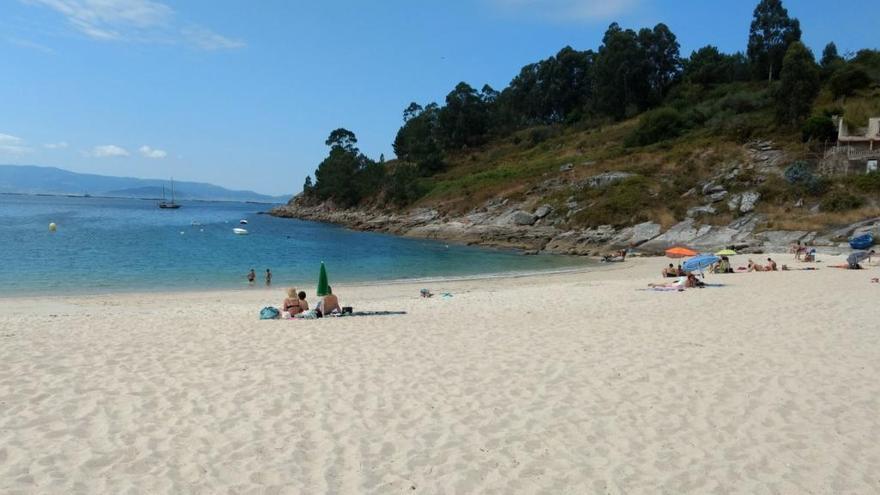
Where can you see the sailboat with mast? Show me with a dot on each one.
(169, 205)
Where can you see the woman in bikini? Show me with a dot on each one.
(293, 305)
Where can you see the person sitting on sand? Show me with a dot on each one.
(679, 284)
(725, 265)
(693, 282)
(295, 302)
(809, 255)
(680, 271)
(771, 265)
(754, 267)
(670, 271)
(328, 303)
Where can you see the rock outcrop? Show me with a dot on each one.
(539, 220)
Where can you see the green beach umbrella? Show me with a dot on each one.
(725, 252)
(323, 286)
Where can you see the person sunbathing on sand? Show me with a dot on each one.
(754, 267)
(771, 265)
(328, 303)
(679, 284)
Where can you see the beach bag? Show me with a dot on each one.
(269, 313)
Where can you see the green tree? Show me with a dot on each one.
(819, 128)
(770, 34)
(464, 121)
(416, 141)
(346, 176)
(830, 56)
(307, 186)
(403, 185)
(798, 85)
(708, 66)
(661, 58)
(342, 138)
(621, 80)
(848, 79)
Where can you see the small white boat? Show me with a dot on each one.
(238, 231)
(243, 222)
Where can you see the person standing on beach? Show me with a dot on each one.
(268, 278)
(252, 277)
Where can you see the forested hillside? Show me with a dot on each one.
(663, 124)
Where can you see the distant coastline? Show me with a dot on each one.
(93, 196)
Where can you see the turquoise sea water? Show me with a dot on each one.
(108, 245)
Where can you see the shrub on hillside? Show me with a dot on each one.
(624, 203)
(403, 187)
(800, 175)
(867, 183)
(745, 101)
(840, 200)
(656, 126)
(847, 80)
(818, 128)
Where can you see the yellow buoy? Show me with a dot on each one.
(52, 227)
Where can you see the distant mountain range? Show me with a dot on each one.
(31, 179)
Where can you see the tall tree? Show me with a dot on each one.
(464, 121)
(416, 141)
(662, 59)
(342, 138)
(346, 176)
(770, 34)
(621, 82)
(798, 85)
(830, 55)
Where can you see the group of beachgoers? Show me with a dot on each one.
(295, 305)
(688, 280)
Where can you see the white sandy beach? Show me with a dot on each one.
(569, 383)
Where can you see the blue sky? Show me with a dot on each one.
(243, 94)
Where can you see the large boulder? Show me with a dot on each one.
(748, 201)
(582, 242)
(697, 211)
(635, 235)
(780, 240)
(524, 218)
(543, 211)
(681, 233)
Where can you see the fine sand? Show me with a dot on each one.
(575, 383)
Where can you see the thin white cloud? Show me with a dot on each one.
(56, 146)
(209, 40)
(108, 150)
(569, 10)
(145, 21)
(152, 152)
(13, 145)
(30, 45)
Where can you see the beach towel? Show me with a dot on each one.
(306, 315)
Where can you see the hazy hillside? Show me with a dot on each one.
(29, 179)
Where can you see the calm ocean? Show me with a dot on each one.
(109, 245)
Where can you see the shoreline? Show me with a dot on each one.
(593, 264)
